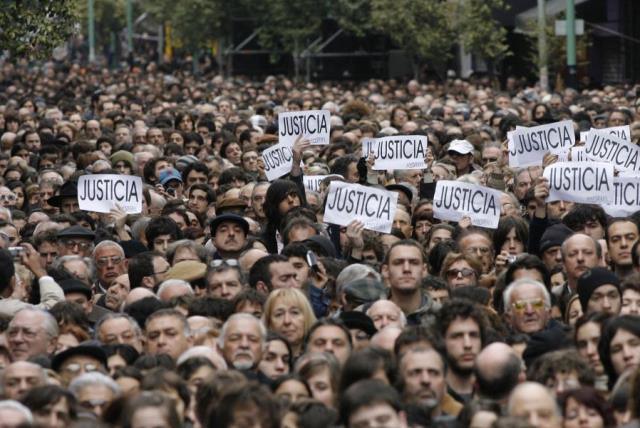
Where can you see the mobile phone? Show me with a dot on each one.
(16, 252)
(511, 258)
(171, 191)
(312, 261)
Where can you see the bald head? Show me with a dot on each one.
(138, 293)
(386, 339)
(385, 313)
(534, 402)
(497, 370)
(250, 257)
(19, 377)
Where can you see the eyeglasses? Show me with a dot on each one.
(72, 244)
(465, 272)
(478, 250)
(521, 305)
(163, 272)
(220, 262)
(75, 368)
(8, 198)
(104, 261)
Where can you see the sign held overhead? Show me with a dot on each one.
(102, 192)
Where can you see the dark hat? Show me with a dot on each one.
(87, 349)
(591, 280)
(554, 236)
(68, 190)
(229, 217)
(75, 286)
(184, 161)
(401, 188)
(132, 248)
(225, 204)
(359, 320)
(365, 290)
(76, 232)
(322, 246)
(122, 155)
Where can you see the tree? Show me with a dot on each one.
(34, 28)
(479, 32)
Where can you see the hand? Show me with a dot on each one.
(20, 290)
(371, 160)
(320, 278)
(541, 191)
(118, 216)
(300, 146)
(464, 222)
(32, 260)
(354, 234)
(502, 260)
(549, 159)
(429, 158)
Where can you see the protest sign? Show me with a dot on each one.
(623, 132)
(529, 145)
(582, 182)
(277, 161)
(312, 182)
(314, 125)
(575, 154)
(606, 147)
(102, 192)
(373, 207)
(454, 200)
(626, 197)
(397, 152)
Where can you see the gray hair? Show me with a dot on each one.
(50, 325)
(161, 313)
(506, 296)
(93, 379)
(18, 407)
(241, 316)
(138, 228)
(114, 316)
(61, 261)
(354, 272)
(7, 212)
(107, 243)
(170, 283)
(186, 243)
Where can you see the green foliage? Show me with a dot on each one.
(195, 23)
(354, 16)
(479, 31)
(33, 28)
(109, 16)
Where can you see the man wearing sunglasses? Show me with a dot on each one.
(527, 306)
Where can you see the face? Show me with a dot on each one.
(491, 154)
(150, 417)
(117, 292)
(513, 245)
(321, 388)
(523, 185)
(26, 336)
(161, 243)
(624, 351)
(402, 221)
(275, 360)
(577, 415)
(424, 377)
(283, 275)
(622, 236)
(242, 344)
(56, 415)
(538, 407)
(74, 246)
(587, 338)
(352, 175)
(480, 246)
(229, 236)
(438, 236)
(461, 162)
(291, 391)
(463, 343)
(195, 177)
(166, 335)
(292, 200)
(630, 302)
(385, 313)
(558, 209)
(257, 200)
(78, 365)
(552, 257)
(95, 399)
(575, 312)
(331, 339)
(461, 274)
(110, 264)
(198, 202)
(580, 255)
(380, 415)
(19, 378)
(528, 312)
(287, 319)
(225, 284)
(605, 298)
(405, 268)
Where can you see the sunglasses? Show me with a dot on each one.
(220, 262)
(521, 305)
(465, 272)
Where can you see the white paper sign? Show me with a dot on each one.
(576, 154)
(606, 147)
(582, 182)
(531, 144)
(312, 182)
(102, 192)
(626, 197)
(623, 132)
(397, 151)
(315, 125)
(373, 207)
(454, 200)
(277, 161)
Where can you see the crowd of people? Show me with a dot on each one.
(228, 302)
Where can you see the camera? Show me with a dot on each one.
(16, 251)
(511, 258)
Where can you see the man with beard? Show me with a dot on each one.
(422, 372)
(461, 325)
(229, 232)
(241, 342)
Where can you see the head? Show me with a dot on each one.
(535, 403)
(404, 267)
(167, 332)
(527, 305)
(32, 332)
(241, 341)
(288, 312)
(422, 372)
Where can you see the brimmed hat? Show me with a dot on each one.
(76, 232)
(75, 286)
(460, 146)
(360, 321)
(187, 270)
(229, 217)
(365, 290)
(85, 349)
(68, 190)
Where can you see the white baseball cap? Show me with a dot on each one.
(460, 146)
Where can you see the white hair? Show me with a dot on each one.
(173, 282)
(241, 316)
(50, 325)
(402, 317)
(354, 272)
(18, 407)
(7, 212)
(107, 243)
(92, 379)
(506, 295)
